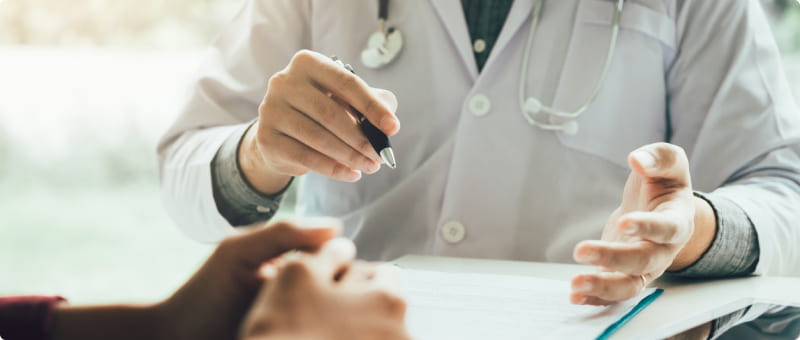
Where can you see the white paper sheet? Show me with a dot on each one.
(460, 306)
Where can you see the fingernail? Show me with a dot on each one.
(590, 256)
(354, 175)
(631, 229)
(390, 124)
(310, 222)
(291, 255)
(645, 159)
(268, 271)
(341, 245)
(373, 167)
(584, 288)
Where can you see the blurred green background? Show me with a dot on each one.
(86, 89)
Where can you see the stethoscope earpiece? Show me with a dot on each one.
(382, 48)
(385, 45)
(534, 106)
(531, 106)
(570, 127)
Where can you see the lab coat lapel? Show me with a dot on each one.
(452, 16)
(519, 14)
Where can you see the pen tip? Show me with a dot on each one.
(388, 157)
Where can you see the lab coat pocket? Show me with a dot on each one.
(631, 107)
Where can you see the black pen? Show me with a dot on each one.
(376, 137)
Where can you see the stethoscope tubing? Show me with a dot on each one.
(598, 84)
(530, 106)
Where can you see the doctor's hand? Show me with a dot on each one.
(305, 124)
(327, 296)
(660, 225)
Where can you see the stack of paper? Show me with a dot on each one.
(457, 306)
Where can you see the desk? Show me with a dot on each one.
(684, 304)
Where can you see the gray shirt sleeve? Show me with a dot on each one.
(236, 199)
(733, 252)
(735, 248)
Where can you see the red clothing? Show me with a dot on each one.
(27, 317)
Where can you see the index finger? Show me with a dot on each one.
(350, 88)
(267, 243)
(386, 278)
(333, 259)
(657, 226)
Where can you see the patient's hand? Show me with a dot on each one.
(213, 303)
(327, 296)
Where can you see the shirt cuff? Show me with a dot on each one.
(236, 199)
(734, 250)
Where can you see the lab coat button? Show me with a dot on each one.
(479, 46)
(453, 232)
(480, 105)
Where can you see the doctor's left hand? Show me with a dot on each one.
(659, 226)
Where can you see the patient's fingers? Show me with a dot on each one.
(334, 259)
(384, 291)
(359, 273)
(386, 277)
(266, 243)
(268, 271)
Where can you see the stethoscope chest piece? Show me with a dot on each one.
(382, 48)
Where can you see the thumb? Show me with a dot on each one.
(333, 259)
(308, 234)
(661, 163)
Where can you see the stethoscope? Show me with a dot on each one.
(385, 45)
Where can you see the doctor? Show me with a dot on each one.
(526, 127)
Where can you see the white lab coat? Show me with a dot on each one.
(474, 179)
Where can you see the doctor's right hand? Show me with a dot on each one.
(305, 125)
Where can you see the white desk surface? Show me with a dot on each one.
(684, 304)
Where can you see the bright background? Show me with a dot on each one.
(86, 88)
